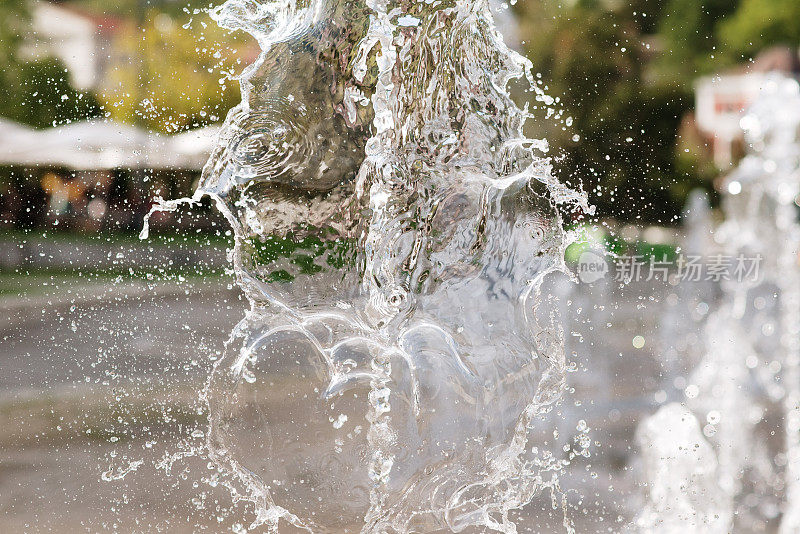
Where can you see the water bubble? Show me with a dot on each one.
(340, 421)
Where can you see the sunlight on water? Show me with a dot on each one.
(393, 227)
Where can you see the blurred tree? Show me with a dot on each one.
(42, 96)
(625, 74)
(756, 24)
(594, 56)
(38, 92)
(686, 40)
(130, 8)
(167, 75)
(14, 22)
(171, 76)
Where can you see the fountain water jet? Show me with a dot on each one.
(393, 227)
(735, 387)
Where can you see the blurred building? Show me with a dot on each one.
(722, 99)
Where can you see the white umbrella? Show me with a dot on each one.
(104, 144)
(14, 137)
(84, 145)
(11, 128)
(191, 149)
(92, 145)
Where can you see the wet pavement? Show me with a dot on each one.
(100, 385)
(94, 381)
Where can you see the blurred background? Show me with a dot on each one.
(639, 120)
(107, 106)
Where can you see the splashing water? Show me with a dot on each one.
(393, 226)
(732, 390)
(682, 470)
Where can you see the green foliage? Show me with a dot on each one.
(163, 75)
(594, 60)
(14, 21)
(687, 40)
(37, 93)
(174, 79)
(760, 23)
(130, 8)
(625, 74)
(302, 254)
(41, 96)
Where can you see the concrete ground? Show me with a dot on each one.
(99, 390)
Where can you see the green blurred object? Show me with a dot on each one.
(657, 251)
(596, 239)
(35, 92)
(304, 256)
(590, 237)
(42, 97)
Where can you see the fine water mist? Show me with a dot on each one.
(726, 458)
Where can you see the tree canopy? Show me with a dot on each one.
(168, 68)
(624, 72)
(178, 76)
(36, 92)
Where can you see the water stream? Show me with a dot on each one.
(393, 227)
(396, 235)
(716, 452)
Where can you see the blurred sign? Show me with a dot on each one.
(722, 101)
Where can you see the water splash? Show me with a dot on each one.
(393, 226)
(682, 473)
(750, 370)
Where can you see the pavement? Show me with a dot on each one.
(95, 380)
(99, 412)
(65, 252)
